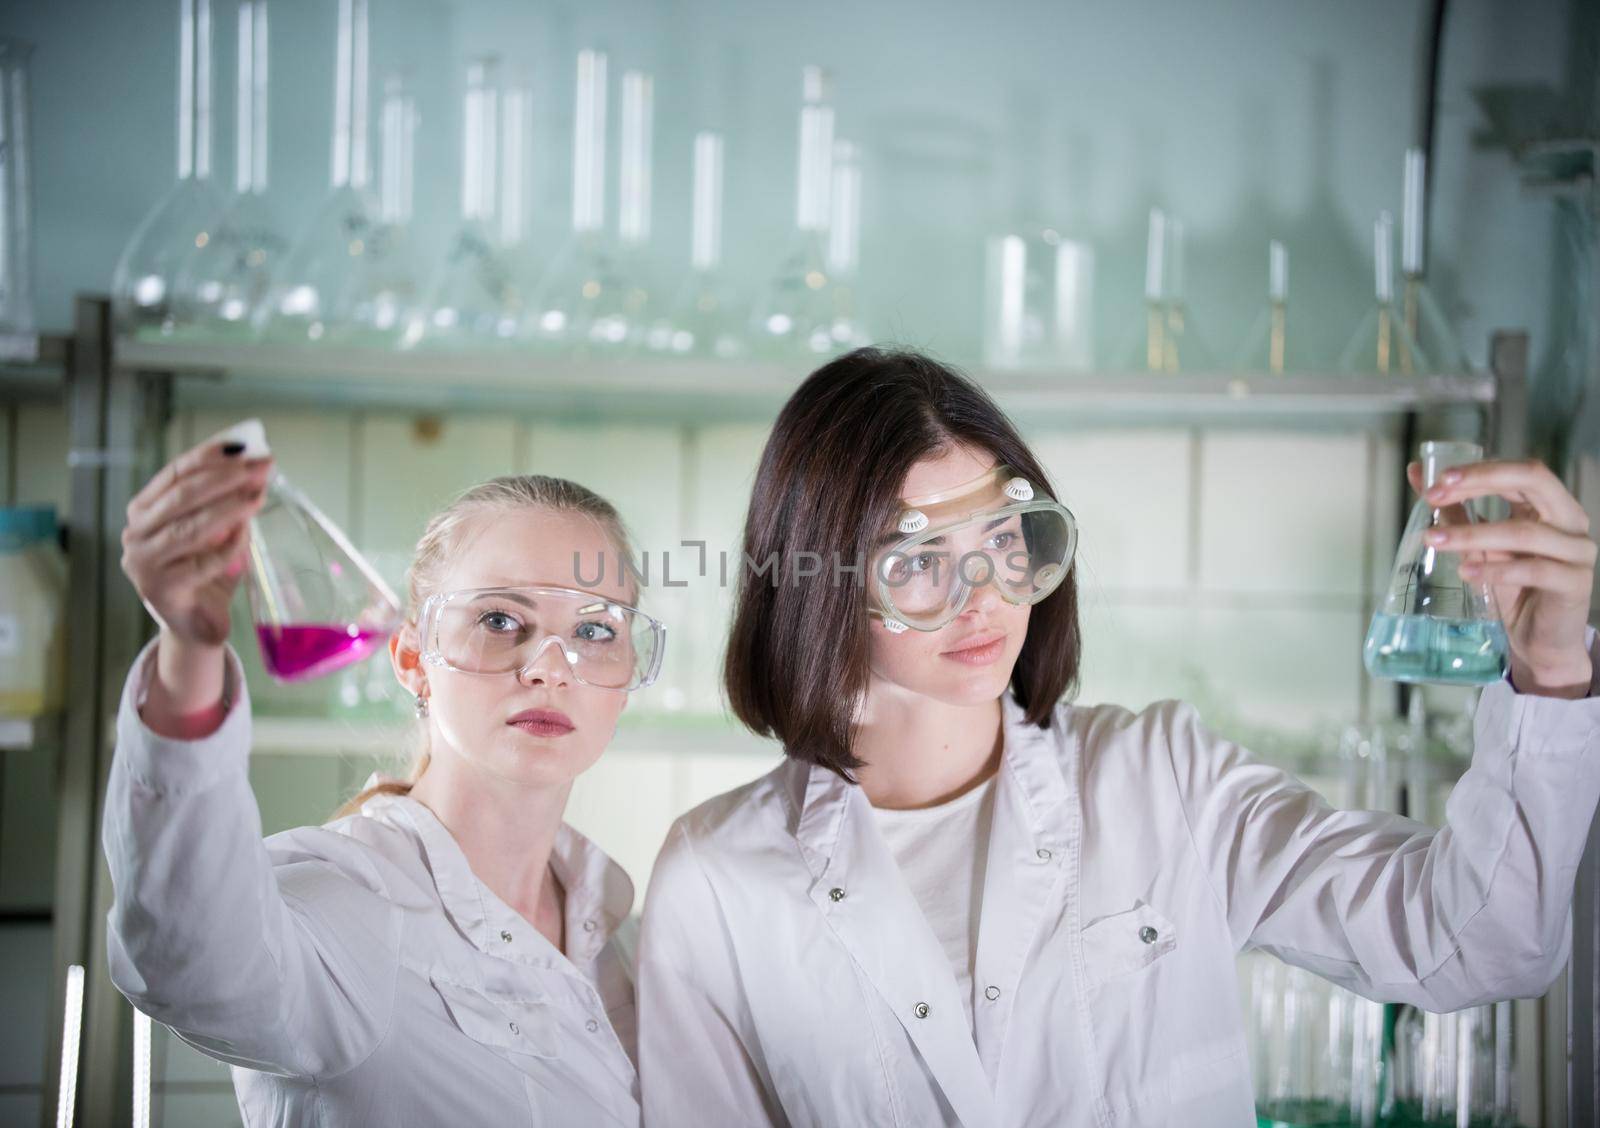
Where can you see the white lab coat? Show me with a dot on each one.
(786, 974)
(359, 972)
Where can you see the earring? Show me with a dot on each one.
(421, 706)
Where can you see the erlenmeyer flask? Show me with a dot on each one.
(144, 286)
(313, 290)
(844, 247)
(317, 604)
(384, 306)
(582, 291)
(1434, 626)
(1424, 320)
(703, 320)
(794, 315)
(1381, 343)
(222, 282)
(474, 299)
(1266, 346)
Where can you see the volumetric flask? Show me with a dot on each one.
(317, 604)
(1434, 626)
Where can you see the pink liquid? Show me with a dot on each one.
(308, 650)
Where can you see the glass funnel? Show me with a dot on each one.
(1381, 343)
(16, 189)
(795, 311)
(1433, 625)
(222, 282)
(581, 294)
(144, 285)
(475, 299)
(316, 603)
(313, 290)
(703, 320)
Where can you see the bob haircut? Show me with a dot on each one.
(827, 485)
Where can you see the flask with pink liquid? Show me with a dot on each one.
(318, 606)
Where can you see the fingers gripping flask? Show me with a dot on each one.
(316, 603)
(1434, 626)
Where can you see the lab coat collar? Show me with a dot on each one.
(859, 889)
(599, 893)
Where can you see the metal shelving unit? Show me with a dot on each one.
(120, 395)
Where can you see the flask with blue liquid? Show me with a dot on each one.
(1433, 626)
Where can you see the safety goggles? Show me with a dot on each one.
(989, 530)
(505, 630)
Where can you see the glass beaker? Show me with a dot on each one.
(221, 282)
(1039, 299)
(144, 285)
(1433, 625)
(16, 189)
(317, 604)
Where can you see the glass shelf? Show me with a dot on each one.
(708, 390)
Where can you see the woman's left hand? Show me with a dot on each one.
(1539, 562)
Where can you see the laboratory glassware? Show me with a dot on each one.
(384, 305)
(1419, 309)
(1433, 625)
(843, 257)
(475, 297)
(316, 603)
(704, 318)
(1266, 345)
(794, 313)
(312, 291)
(222, 282)
(1038, 301)
(581, 296)
(1382, 344)
(16, 188)
(1146, 348)
(144, 285)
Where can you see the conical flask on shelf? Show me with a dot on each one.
(1381, 343)
(704, 318)
(384, 306)
(795, 312)
(580, 299)
(316, 603)
(1424, 320)
(1434, 625)
(313, 289)
(224, 280)
(1267, 345)
(1165, 340)
(145, 283)
(475, 299)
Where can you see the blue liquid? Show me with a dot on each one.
(1420, 648)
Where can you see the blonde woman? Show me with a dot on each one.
(444, 953)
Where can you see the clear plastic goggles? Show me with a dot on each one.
(504, 630)
(992, 530)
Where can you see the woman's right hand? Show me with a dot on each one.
(183, 548)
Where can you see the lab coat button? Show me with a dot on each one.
(514, 1029)
(591, 1026)
(921, 1010)
(1148, 934)
(991, 993)
(588, 926)
(836, 894)
(1044, 855)
(505, 936)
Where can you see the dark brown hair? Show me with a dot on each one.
(828, 483)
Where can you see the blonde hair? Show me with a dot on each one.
(438, 543)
